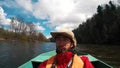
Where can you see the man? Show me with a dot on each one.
(65, 58)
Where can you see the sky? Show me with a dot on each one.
(50, 15)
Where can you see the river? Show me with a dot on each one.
(13, 54)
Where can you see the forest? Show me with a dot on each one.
(102, 28)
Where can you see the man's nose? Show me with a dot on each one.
(60, 42)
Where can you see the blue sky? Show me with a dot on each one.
(50, 15)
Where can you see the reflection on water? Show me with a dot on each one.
(13, 54)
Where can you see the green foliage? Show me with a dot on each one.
(7, 35)
(103, 27)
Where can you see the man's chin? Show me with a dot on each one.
(58, 51)
(63, 50)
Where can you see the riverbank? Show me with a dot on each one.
(108, 54)
(18, 40)
(2, 39)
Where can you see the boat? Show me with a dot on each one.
(33, 63)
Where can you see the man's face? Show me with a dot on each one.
(63, 44)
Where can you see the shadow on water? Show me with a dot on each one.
(13, 54)
(106, 53)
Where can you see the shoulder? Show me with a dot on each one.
(43, 64)
(87, 63)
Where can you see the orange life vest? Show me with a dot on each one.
(77, 62)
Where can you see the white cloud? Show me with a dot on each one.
(66, 25)
(61, 13)
(26, 4)
(38, 27)
(3, 19)
(6, 21)
(48, 36)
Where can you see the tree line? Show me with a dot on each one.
(21, 31)
(102, 28)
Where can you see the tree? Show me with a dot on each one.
(103, 27)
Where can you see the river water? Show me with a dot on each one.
(13, 54)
